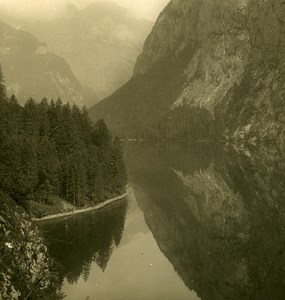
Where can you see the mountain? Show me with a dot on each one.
(209, 69)
(30, 70)
(100, 42)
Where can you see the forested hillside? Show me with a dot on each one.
(51, 150)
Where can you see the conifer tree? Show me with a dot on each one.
(52, 150)
(3, 92)
(102, 135)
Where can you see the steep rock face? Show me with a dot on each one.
(226, 36)
(216, 32)
(30, 70)
(267, 27)
(24, 263)
(230, 54)
(255, 106)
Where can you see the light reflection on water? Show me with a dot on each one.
(135, 269)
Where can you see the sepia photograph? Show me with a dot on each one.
(142, 149)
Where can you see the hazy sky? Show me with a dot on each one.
(47, 8)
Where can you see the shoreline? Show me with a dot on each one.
(83, 210)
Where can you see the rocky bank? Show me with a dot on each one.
(26, 271)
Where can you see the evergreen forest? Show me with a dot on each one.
(50, 150)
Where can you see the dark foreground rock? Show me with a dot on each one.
(25, 268)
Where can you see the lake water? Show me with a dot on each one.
(201, 222)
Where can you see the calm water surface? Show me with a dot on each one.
(202, 222)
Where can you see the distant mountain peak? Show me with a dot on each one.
(105, 5)
(106, 8)
(31, 70)
(70, 8)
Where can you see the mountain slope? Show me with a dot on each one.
(213, 67)
(32, 71)
(100, 42)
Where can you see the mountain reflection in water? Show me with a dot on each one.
(216, 213)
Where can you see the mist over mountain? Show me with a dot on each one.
(209, 69)
(31, 70)
(50, 9)
(100, 42)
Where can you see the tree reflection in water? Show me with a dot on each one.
(83, 239)
(217, 213)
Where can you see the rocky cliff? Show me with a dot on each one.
(225, 58)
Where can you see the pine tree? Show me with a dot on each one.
(3, 91)
(119, 170)
(30, 117)
(102, 135)
(44, 127)
(51, 150)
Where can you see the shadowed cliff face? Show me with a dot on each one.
(266, 21)
(231, 56)
(226, 36)
(254, 107)
(217, 31)
(220, 221)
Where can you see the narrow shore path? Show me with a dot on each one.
(80, 211)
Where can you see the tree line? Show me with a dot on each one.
(52, 150)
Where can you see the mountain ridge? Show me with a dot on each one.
(31, 70)
(222, 44)
(100, 42)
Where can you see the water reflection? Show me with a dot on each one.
(217, 214)
(77, 241)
